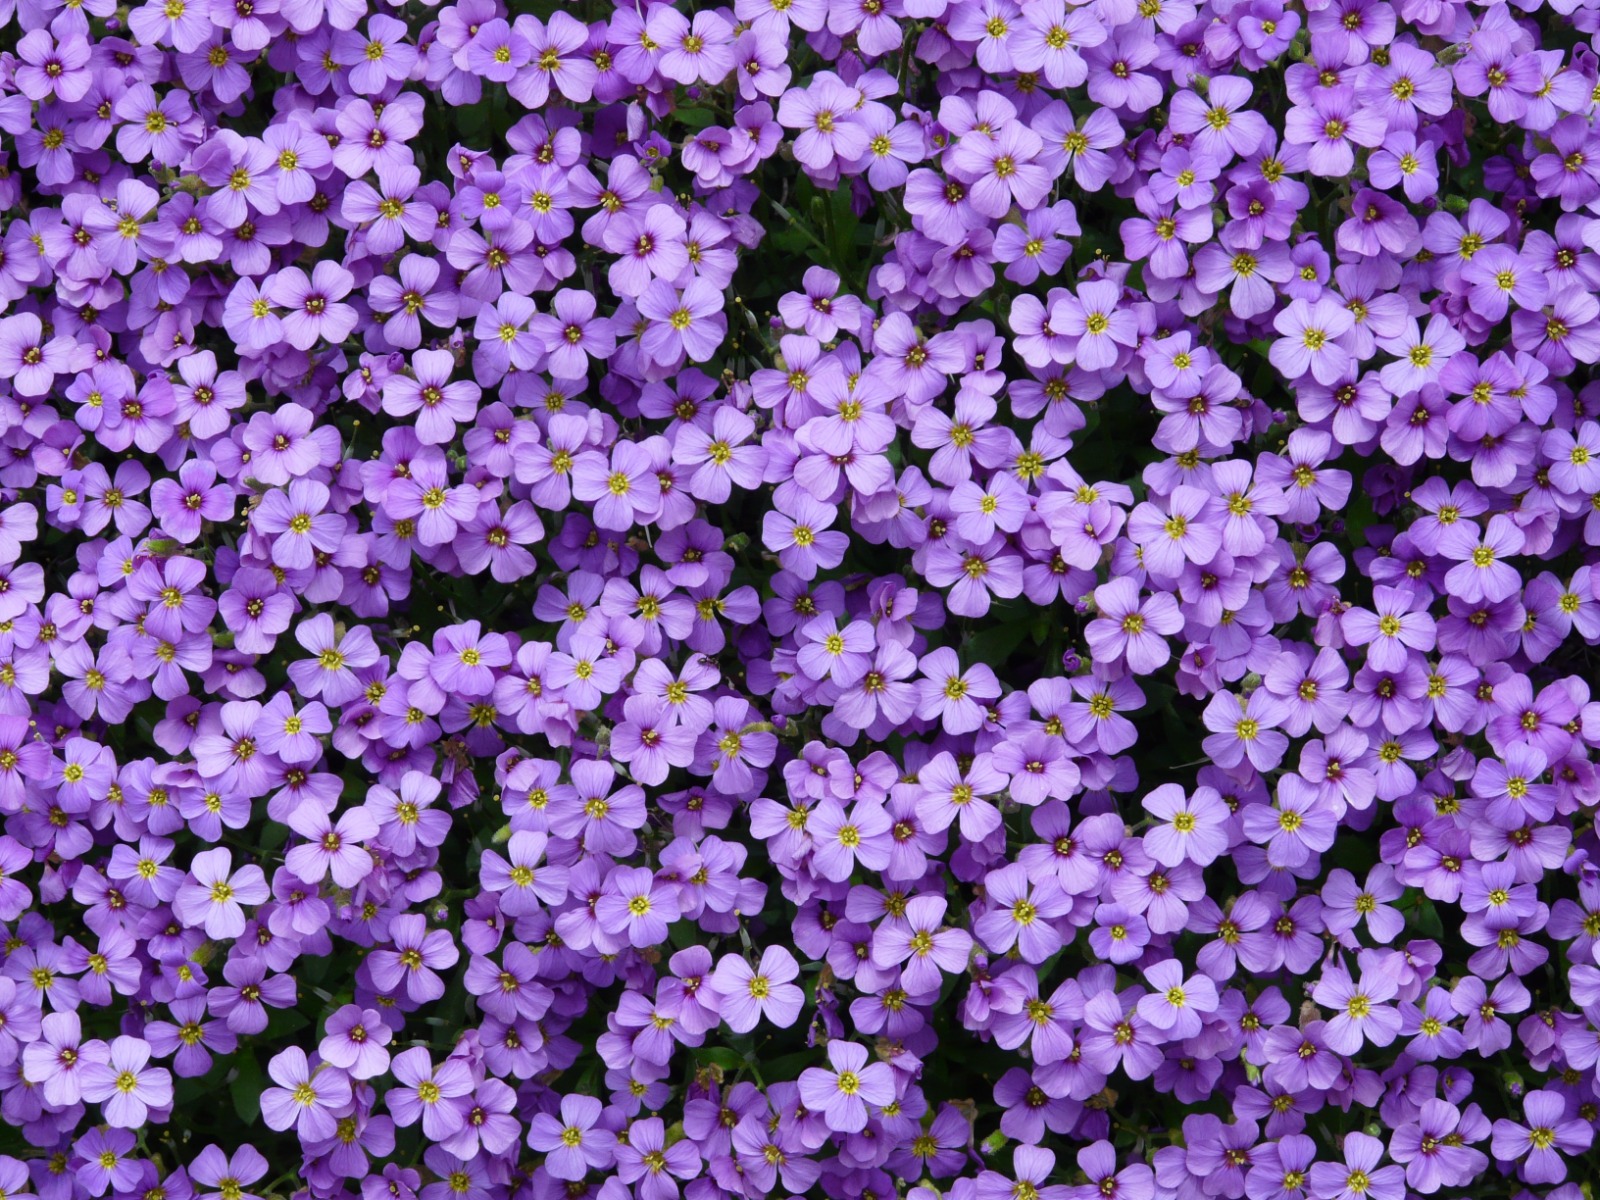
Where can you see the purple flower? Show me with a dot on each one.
(299, 524)
(1193, 829)
(637, 908)
(1299, 826)
(1481, 572)
(29, 360)
(842, 1092)
(572, 1143)
(106, 1161)
(214, 893)
(1020, 913)
(375, 57)
(824, 113)
(1095, 318)
(429, 1093)
(651, 741)
(58, 1058)
(304, 1099)
(125, 1085)
(954, 697)
(331, 849)
(414, 957)
(51, 68)
(746, 995)
(1177, 1005)
(802, 539)
(389, 214)
(682, 324)
(1310, 340)
(522, 883)
(1359, 1175)
(842, 838)
(314, 308)
(646, 1159)
(1131, 627)
(437, 402)
(213, 1168)
(918, 944)
(1430, 1149)
(1362, 1014)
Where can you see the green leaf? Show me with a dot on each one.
(246, 1086)
(1358, 514)
(1426, 921)
(285, 1021)
(1007, 626)
(789, 1066)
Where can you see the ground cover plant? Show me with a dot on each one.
(830, 598)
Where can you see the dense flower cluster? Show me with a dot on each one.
(825, 597)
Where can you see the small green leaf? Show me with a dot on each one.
(1427, 922)
(721, 1056)
(245, 1087)
(284, 1021)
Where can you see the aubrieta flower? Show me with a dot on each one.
(215, 893)
(746, 995)
(842, 1091)
(355, 1042)
(1359, 1174)
(304, 1099)
(1192, 829)
(125, 1085)
(738, 648)
(572, 1142)
(1536, 1146)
